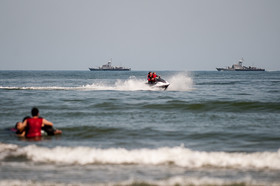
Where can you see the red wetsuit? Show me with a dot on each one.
(34, 126)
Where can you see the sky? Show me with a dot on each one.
(184, 35)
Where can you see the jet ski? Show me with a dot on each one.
(159, 83)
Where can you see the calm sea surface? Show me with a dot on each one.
(207, 128)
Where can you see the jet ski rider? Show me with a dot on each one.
(149, 77)
(152, 77)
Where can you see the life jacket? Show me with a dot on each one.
(34, 126)
(150, 78)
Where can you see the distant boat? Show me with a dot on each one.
(109, 67)
(240, 67)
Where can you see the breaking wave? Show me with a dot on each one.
(176, 156)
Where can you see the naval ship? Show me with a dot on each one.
(109, 67)
(240, 67)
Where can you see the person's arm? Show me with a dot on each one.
(46, 122)
(22, 134)
(24, 124)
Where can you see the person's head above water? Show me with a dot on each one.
(35, 111)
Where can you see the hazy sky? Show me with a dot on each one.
(141, 34)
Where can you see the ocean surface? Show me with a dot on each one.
(207, 128)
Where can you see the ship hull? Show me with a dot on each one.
(249, 70)
(225, 69)
(93, 69)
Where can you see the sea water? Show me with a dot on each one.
(207, 128)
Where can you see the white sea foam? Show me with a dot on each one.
(178, 82)
(40, 88)
(130, 84)
(119, 85)
(177, 180)
(177, 156)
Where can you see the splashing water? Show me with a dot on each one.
(132, 84)
(178, 82)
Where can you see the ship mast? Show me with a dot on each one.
(241, 61)
(110, 62)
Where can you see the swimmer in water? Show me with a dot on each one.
(34, 125)
(20, 130)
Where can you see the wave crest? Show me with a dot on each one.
(178, 156)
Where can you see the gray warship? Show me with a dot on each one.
(109, 67)
(240, 67)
